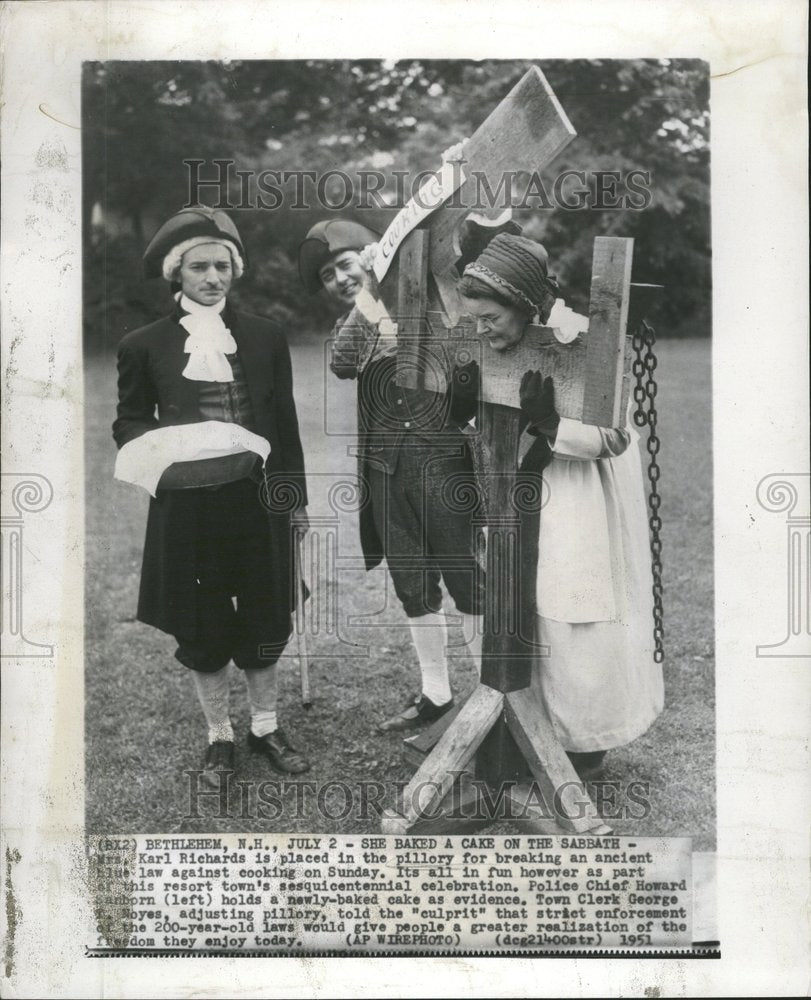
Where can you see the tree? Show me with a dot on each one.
(142, 120)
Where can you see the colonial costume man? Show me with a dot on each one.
(586, 575)
(207, 424)
(411, 450)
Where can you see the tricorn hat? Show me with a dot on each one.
(185, 225)
(323, 241)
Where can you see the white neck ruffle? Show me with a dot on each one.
(208, 343)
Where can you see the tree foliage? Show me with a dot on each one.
(142, 120)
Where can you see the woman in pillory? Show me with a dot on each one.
(207, 424)
(588, 579)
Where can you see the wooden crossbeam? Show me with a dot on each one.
(454, 751)
(592, 374)
(418, 747)
(557, 780)
(535, 818)
(539, 350)
(461, 811)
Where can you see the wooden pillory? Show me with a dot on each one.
(503, 724)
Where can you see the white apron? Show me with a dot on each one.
(599, 682)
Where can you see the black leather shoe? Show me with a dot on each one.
(219, 759)
(416, 713)
(277, 749)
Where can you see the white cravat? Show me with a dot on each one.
(208, 342)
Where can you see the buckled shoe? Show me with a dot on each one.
(417, 712)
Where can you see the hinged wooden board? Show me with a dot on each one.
(527, 130)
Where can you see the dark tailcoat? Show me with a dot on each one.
(390, 418)
(153, 393)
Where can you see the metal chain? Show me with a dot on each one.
(643, 368)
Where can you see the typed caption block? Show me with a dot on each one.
(304, 895)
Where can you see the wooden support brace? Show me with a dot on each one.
(560, 786)
(419, 746)
(451, 755)
(460, 811)
(533, 817)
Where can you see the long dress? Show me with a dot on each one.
(599, 681)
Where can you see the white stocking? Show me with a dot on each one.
(212, 691)
(430, 635)
(262, 693)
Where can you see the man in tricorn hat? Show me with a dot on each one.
(413, 458)
(207, 424)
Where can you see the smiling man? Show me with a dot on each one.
(207, 424)
(412, 455)
(329, 258)
(343, 277)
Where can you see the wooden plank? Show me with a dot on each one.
(526, 131)
(452, 754)
(563, 792)
(459, 812)
(540, 350)
(412, 303)
(533, 817)
(608, 318)
(503, 666)
(448, 299)
(418, 747)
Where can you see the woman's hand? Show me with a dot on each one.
(537, 395)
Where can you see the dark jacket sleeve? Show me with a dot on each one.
(286, 419)
(137, 396)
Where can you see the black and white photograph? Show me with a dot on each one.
(404, 531)
(389, 529)
(300, 585)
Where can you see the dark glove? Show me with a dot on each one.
(537, 395)
(464, 393)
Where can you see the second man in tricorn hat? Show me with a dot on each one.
(410, 451)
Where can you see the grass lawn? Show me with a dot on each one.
(143, 723)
